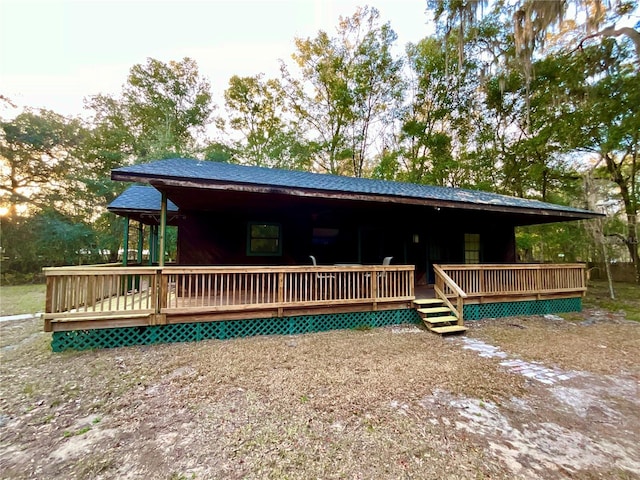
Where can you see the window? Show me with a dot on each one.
(471, 248)
(324, 236)
(264, 239)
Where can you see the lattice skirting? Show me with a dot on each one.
(189, 332)
(530, 307)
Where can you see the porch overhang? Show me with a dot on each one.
(142, 203)
(205, 185)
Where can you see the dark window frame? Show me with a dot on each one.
(252, 238)
(472, 248)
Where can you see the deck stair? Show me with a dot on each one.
(437, 317)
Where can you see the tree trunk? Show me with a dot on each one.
(630, 207)
(632, 243)
(605, 256)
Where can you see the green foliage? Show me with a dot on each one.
(219, 152)
(440, 137)
(599, 116)
(48, 238)
(182, 476)
(163, 109)
(346, 85)
(38, 151)
(387, 166)
(81, 431)
(462, 113)
(553, 243)
(257, 112)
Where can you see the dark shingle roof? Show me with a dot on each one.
(140, 198)
(214, 172)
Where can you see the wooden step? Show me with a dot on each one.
(427, 301)
(449, 329)
(427, 311)
(442, 319)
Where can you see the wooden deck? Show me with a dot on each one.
(91, 297)
(107, 297)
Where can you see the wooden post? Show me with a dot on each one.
(125, 283)
(160, 296)
(156, 243)
(140, 242)
(280, 292)
(137, 280)
(48, 305)
(460, 308)
(153, 244)
(125, 242)
(374, 278)
(412, 279)
(91, 299)
(163, 228)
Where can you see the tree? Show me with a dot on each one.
(533, 20)
(533, 151)
(219, 152)
(438, 118)
(615, 138)
(46, 238)
(592, 109)
(38, 161)
(256, 110)
(348, 90)
(163, 110)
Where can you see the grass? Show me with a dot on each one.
(627, 298)
(18, 299)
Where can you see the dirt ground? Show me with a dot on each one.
(524, 397)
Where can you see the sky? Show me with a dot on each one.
(54, 53)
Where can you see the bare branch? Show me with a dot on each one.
(611, 31)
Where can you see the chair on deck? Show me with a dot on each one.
(385, 262)
(324, 283)
(323, 276)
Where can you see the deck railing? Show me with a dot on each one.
(447, 289)
(517, 279)
(220, 288)
(82, 297)
(479, 283)
(87, 297)
(99, 292)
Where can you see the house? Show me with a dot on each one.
(249, 232)
(243, 215)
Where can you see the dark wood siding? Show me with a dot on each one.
(364, 233)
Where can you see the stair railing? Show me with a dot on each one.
(445, 288)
